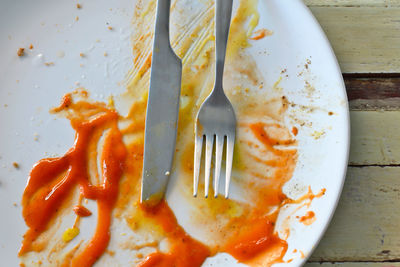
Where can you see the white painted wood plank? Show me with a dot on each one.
(375, 137)
(363, 3)
(365, 226)
(365, 39)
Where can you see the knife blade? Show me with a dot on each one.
(162, 111)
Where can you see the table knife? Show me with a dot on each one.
(162, 111)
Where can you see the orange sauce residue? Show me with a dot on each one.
(295, 131)
(260, 34)
(184, 252)
(81, 211)
(52, 180)
(302, 254)
(256, 238)
(308, 219)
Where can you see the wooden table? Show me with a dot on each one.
(365, 230)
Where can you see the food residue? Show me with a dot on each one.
(81, 211)
(78, 6)
(104, 164)
(318, 134)
(308, 219)
(260, 34)
(70, 234)
(15, 165)
(295, 131)
(21, 52)
(31, 46)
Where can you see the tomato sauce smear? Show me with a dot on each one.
(184, 252)
(52, 180)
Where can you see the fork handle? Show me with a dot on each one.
(222, 21)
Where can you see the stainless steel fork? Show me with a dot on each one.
(216, 118)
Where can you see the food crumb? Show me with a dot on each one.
(139, 255)
(48, 64)
(82, 55)
(15, 204)
(76, 18)
(16, 165)
(111, 102)
(21, 52)
(31, 46)
(105, 54)
(330, 113)
(110, 28)
(82, 211)
(78, 6)
(276, 85)
(111, 252)
(295, 131)
(317, 134)
(70, 234)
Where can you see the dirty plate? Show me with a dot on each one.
(91, 47)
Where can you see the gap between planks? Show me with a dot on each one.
(375, 116)
(373, 91)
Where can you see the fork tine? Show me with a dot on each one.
(198, 147)
(219, 146)
(230, 142)
(209, 149)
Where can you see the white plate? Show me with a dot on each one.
(28, 89)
